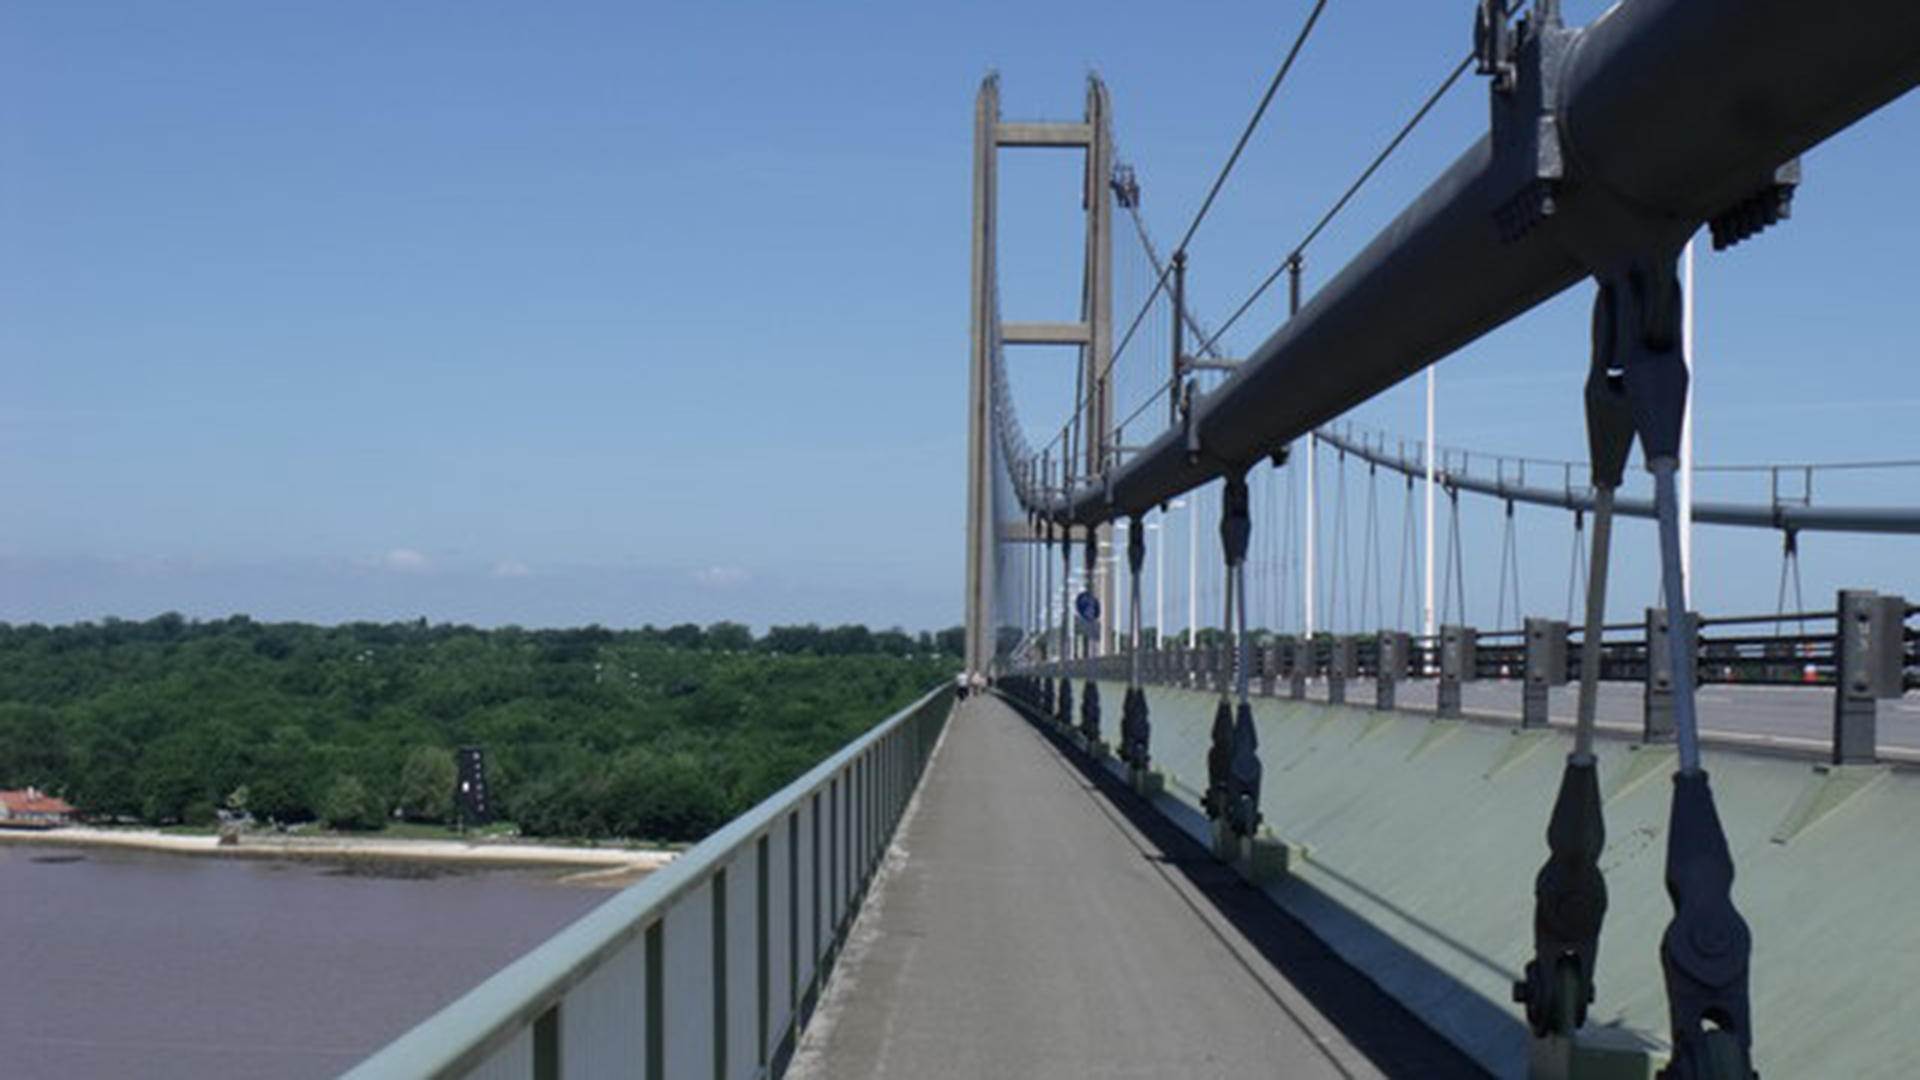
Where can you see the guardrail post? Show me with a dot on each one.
(1459, 649)
(718, 925)
(1394, 654)
(655, 961)
(793, 914)
(548, 1062)
(1657, 707)
(820, 878)
(1869, 662)
(1339, 668)
(763, 949)
(1546, 666)
(1302, 667)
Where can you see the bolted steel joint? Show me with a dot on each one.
(1219, 763)
(1527, 62)
(1766, 206)
(1570, 904)
(1546, 652)
(1459, 653)
(1236, 519)
(1609, 418)
(1493, 43)
(1637, 330)
(1090, 711)
(1135, 731)
(1706, 950)
(1245, 773)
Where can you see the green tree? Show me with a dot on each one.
(952, 641)
(729, 637)
(685, 636)
(591, 731)
(427, 782)
(170, 780)
(348, 804)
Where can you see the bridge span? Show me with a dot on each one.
(1036, 920)
(980, 889)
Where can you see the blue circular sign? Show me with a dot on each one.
(1088, 605)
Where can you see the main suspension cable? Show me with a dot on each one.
(1220, 180)
(1340, 204)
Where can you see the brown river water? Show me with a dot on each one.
(141, 965)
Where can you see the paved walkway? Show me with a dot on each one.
(1040, 926)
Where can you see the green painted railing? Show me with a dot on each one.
(709, 967)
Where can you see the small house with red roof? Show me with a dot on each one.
(31, 808)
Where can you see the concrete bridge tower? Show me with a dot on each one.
(1091, 336)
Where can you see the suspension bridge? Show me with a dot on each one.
(1318, 827)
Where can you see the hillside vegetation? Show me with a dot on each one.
(648, 734)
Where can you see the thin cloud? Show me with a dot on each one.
(721, 577)
(402, 560)
(510, 568)
(1795, 408)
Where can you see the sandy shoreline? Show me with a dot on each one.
(599, 865)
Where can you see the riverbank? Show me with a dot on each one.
(599, 866)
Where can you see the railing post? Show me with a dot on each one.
(656, 1006)
(849, 854)
(1657, 707)
(835, 851)
(1459, 649)
(763, 946)
(1301, 667)
(1339, 655)
(793, 913)
(1546, 666)
(1869, 660)
(548, 1062)
(1394, 654)
(718, 922)
(813, 904)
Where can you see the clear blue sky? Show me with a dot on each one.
(624, 313)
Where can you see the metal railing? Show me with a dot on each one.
(1875, 643)
(709, 967)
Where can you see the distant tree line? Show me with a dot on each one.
(650, 734)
